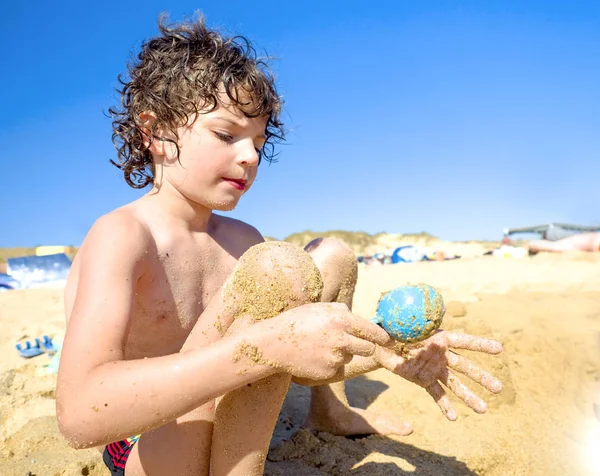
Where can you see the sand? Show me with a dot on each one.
(545, 309)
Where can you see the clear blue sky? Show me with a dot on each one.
(457, 118)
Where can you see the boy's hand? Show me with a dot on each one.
(314, 340)
(429, 362)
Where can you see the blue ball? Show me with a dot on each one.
(410, 313)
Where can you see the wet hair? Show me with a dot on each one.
(178, 75)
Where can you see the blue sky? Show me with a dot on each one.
(457, 118)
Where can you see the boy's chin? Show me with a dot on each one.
(224, 206)
(219, 203)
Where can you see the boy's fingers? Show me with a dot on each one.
(458, 340)
(363, 329)
(443, 401)
(356, 346)
(474, 372)
(464, 393)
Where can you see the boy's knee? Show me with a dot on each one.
(270, 278)
(331, 251)
(339, 268)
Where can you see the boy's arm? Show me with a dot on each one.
(429, 364)
(103, 398)
(97, 390)
(357, 366)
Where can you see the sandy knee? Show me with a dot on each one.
(270, 278)
(338, 266)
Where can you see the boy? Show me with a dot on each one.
(199, 326)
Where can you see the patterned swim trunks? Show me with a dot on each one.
(116, 454)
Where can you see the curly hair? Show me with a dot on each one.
(178, 75)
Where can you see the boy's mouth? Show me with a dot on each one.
(240, 184)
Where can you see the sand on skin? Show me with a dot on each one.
(546, 311)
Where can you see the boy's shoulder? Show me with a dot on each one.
(122, 228)
(126, 218)
(118, 242)
(244, 234)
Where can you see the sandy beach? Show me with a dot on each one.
(544, 309)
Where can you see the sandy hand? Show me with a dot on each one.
(430, 364)
(315, 340)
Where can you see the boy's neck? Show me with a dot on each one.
(179, 209)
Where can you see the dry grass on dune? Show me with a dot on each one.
(359, 241)
(362, 242)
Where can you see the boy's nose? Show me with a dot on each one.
(248, 155)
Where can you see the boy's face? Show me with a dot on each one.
(218, 157)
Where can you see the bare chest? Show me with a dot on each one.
(172, 295)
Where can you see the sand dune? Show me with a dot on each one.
(546, 311)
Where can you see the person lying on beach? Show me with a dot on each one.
(185, 328)
(578, 242)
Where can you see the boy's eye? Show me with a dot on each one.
(224, 137)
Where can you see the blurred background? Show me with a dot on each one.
(455, 118)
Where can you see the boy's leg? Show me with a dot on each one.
(269, 278)
(329, 409)
(183, 447)
(180, 448)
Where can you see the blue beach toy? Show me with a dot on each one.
(37, 348)
(410, 313)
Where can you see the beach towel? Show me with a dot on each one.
(407, 254)
(39, 271)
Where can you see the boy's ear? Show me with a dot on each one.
(155, 146)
